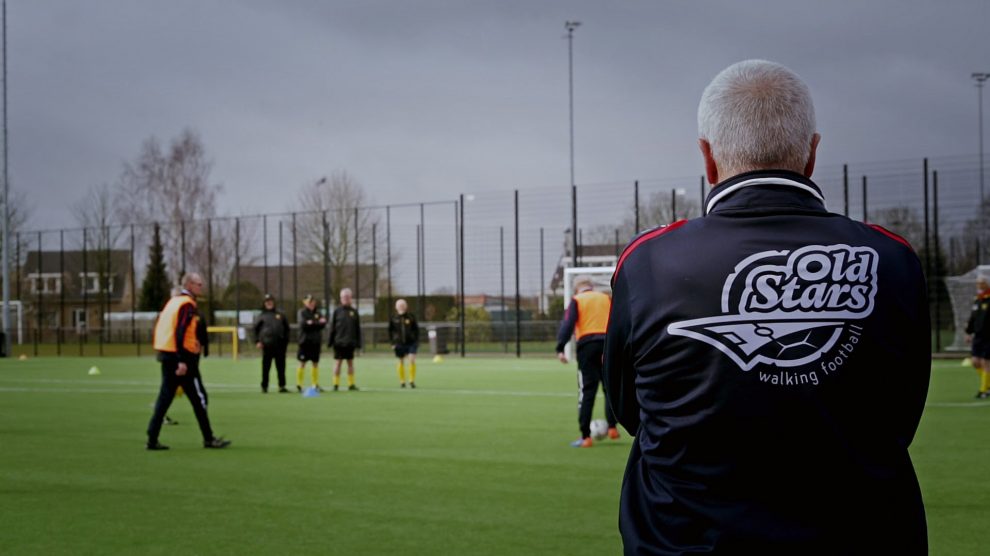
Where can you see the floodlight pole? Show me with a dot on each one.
(980, 77)
(6, 200)
(571, 26)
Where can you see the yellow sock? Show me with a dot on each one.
(350, 379)
(336, 380)
(299, 376)
(402, 371)
(984, 381)
(316, 375)
(412, 371)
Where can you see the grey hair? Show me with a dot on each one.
(190, 277)
(583, 281)
(347, 291)
(757, 114)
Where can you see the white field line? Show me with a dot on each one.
(152, 387)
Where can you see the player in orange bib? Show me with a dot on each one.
(586, 319)
(180, 339)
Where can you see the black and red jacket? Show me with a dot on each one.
(772, 359)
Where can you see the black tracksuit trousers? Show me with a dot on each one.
(273, 353)
(589, 360)
(192, 385)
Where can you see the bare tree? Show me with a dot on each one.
(172, 186)
(98, 212)
(329, 209)
(20, 213)
(975, 239)
(661, 207)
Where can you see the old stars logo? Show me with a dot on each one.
(787, 308)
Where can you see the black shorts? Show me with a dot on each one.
(981, 348)
(403, 350)
(308, 352)
(343, 352)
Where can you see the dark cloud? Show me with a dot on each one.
(425, 100)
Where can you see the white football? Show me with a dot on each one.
(599, 429)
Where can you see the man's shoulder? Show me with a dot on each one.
(650, 237)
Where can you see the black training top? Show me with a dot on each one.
(403, 330)
(271, 328)
(345, 327)
(772, 359)
(310, 327)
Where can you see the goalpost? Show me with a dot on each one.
(232, 330)
(602, 278)
(962, 290)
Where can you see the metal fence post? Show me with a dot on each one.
(182, 248)
(518, 299)
(40, 310)
(61, 292)
(209, 270)
(388, 253)
(295, 266)
(134, 339)
(845, 189)
(701, 183)
(866, 213)
(462, 260)
(357, 263)
(938, 297)
(422, 262)
(501, 287)
(574, 229)
(543, 297)
(928, 262)
(326, 264)
(82, 332)
(237, 273)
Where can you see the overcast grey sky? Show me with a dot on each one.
(423, 100)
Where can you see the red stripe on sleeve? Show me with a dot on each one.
(891, 235)
(644, 238)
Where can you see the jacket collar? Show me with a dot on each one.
(765, 189)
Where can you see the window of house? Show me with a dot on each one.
(45, 283)
(91, 282)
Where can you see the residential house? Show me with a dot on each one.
(74, 288)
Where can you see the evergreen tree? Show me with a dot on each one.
(155, 289)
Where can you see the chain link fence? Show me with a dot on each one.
(483, 272)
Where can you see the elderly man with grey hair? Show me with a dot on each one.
(771, 357)
(180, 339)
(345, 337)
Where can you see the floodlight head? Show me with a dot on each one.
(571, 25)
(980, 77)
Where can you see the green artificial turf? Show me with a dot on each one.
(474, 461)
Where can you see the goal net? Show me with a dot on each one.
(601, 276)
(962, 290)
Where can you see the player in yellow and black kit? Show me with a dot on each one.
(403, 332)
(311, 325)
(978, 334)
(180, 338)
(345, 337)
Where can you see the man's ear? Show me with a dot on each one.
(711, 169)
(809, 168)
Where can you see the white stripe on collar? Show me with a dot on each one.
(761, 181)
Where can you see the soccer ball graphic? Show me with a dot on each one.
(599, 429)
